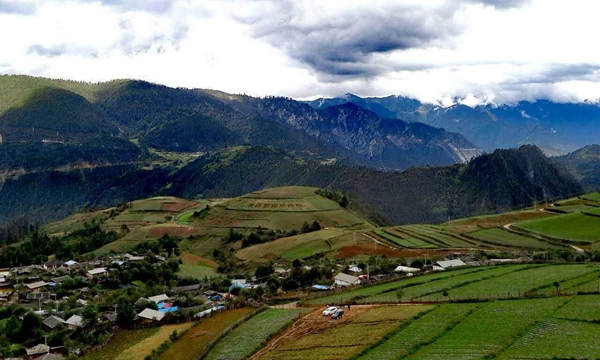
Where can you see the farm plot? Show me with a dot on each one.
(299, 246)
(286, 192)
(489, 330)
(121, 341)
(253, 334)
(516, 283)
(592, 197)
(576, 227)
(557, 339)
(420, 331)
(422, 290)
(145, 347)
(292, 205)
(407, 242)
(349, 338)
(584, 307)
(364, 292)
(193, 343)
(571, 286)
(432, 235)
(501, 237)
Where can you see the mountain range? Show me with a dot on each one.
(558, 128)
(70, 146)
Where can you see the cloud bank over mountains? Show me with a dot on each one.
(433, 50)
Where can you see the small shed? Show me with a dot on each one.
(151, 315)
(406, 269)
(75, 322)
(446, 264)
(52, 321)
(342, 279)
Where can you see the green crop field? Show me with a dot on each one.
(435, 236)
(589, 281)
(557, 339)
(489, 330)
(584, 307)
(418, 332)
(593, 196)
(367, 291)
(193, 343)
(502, 237)
(294, 247)
(409, 242)
(516, 283)
(244, 340)
(417, 291)
(196, 271)
(577, 226)
(348, 339)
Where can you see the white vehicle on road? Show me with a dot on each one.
(330, 310)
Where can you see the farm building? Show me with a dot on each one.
(342, 279)
(52, 321)
(36, 286)
(151, 315)
(134, 258)
(70, 263)
(450, 263)
(406, 269)
(39, 349)
(59, 280)
(96, 272)
(159, 298)
(51, 265)
(75, 322)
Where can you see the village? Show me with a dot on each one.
(68, 300)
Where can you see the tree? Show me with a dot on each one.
(400, 294)
(263, 271)
(31, 328)
(90, 315)
(125, 314)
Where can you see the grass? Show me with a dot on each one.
(585, 307)
(577, 226)
(144, 348)
(498, 236)
(196, 271)
(348, 339)
(417, 291)
(419, 332)
(299, 246)
(244, 340)
(410, 242)
(121, 341)
(193, 343)
(557, 339)
(489, 330)
(517, 283)
(436, 236)
(366, 291)
(593, 196)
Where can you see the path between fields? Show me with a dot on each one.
(379, 242)
(312, 323)
(508, 227)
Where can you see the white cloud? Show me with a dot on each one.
(430, 49)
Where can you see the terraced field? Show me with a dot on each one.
(250, 336)
(516, 283)
(392, 286)
(345, 338)
(500, 237)
(193, 343)
(557, 339)
(576, 227)
(437, 236)
(585, 307)
(422, 291)
(489, 330)
(418, 332)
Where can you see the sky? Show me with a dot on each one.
(438, 51)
